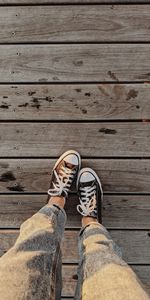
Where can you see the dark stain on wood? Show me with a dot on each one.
(78, 90)
(124, 200)
(84, 111)
(5, 97)
(36, 103)
(143, 76)
(137, 106)
(132, 94)
(31, 93)
(48, 99)
(8, 176)
(108, 130)
(87, 94)
(78, 63)
(76, 105)
(112, 76)
(75, 277)
(4, 106)
(17, 188)
(43, 79)
(55, 78)
(23, 105)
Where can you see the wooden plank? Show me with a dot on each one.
(75, 62)
(126, 211)
(143, 273)
(130, 241)
(50, 139)
(69, 283)
(118, 211)
(75, 102)
(25, 2)
(74, 23)
(33, 175)
(7, 240)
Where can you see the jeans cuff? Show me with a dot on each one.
(53, 209)
(86, 227)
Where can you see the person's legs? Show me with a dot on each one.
(102, 274)
(31, 270)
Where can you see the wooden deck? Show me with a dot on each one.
(76, 74)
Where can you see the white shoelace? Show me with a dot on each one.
(87, 201)
(63, 182)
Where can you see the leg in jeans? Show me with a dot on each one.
(32, 268)
(102, 274)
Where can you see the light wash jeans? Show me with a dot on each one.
(31, 269)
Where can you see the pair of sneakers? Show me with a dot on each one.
(67, 170)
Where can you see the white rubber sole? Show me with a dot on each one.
(65, 154)
(94, 174)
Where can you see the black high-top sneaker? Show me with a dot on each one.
(64, 173)
(90, 194)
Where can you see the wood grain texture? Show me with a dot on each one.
(74, 23)
(130, 241)
(129, 215)
(75, 62)
(5, 2)
(75, 102)
(69, 284)
(33, 175)
(44, 139)
(118, 211)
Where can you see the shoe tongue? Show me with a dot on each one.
(68, 165)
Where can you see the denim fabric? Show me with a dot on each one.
(31, 270)
(102, 274)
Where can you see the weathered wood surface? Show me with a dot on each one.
(51, 139)
(33, 175)
(130, 241)
(76, 62)
(69, 284)
(118, 211)
(75, 102)
(126, 216)
(74, 23)
(5, 2)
